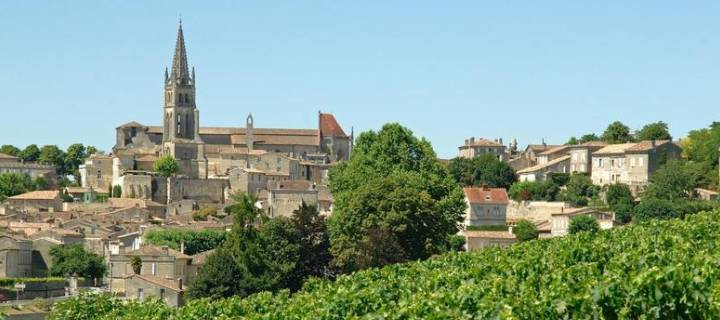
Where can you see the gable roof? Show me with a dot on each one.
(329, 127)
(5, 156)
(618, 148)
(554, 150)
(481, 142)
(544, 165)
(151, 250)
(647, 145)
(486, 195)
(163, 282)
(37, 195)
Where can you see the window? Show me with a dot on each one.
(162, 293)
(153, 268)
(640, 161)
(140, 293)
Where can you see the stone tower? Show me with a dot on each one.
(181, 118)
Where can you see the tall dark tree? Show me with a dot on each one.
(654, 131)
(13, 183)
(589, 137)
(392, 195)
(617, 132)
(74, 157)
(31, 153)
(314, 241)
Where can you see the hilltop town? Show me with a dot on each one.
(156, 215)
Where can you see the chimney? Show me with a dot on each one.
(182, 247)
(165, 249)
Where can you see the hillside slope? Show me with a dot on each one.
(660, 269)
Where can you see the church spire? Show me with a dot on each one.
(180, 64)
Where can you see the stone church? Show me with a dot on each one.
(253, 157)
(203, 151)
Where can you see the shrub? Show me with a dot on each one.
(583, 224)
(525, 230)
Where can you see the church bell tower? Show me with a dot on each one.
(181, 118)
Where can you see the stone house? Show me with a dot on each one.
(13, 164)
(561, 220)
(485, 206)
(551, 154)
(540, 172)
(631, 163)
(475, 240)
(581, 156)
(97, 172)
(16, 257)
(37, 201)
(168, 290)
(284, 197)
(157, 261)
(474, 148)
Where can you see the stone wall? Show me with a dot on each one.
(201, 190)
(534, 210)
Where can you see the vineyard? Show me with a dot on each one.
(658, 269)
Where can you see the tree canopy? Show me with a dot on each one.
(10, 150)
(394, 201)
(12, 183)
(75, 260)
(525, 230)
(677, 179)
(617, 132)
(485, 170)
(654, 131)
(31, 153)
(583, 223)
(193, 241)
(166, 166)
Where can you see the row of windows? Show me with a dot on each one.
(619, 163)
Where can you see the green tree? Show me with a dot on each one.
(654, 208)
(485, 170)
(534, 190)
(74, 157)
(166, 166)
(41, 183)
(90, 150)
(572, 141)
(618, 193)
(588, 138)
(10, 150)
(193, 241)
(71, 260)
(52, 155)
(583, 223)
(525, 230)
(12, 183)
(314, 241)
(31, 153)
(677, 179)
(116, 191)
(136, 264)
(259, 254)
(623, 211)
(654, 131)
(617, 132)
(393, 189)
(579, 189)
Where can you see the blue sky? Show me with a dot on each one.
(71, 71)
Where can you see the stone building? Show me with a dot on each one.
(475, 240)
(631, 163)
(541, 171)
(560, 221)
(157, 261)
(37, 201)
(97, 173)
(581, 156)
(485, 206)
(12, 164)
(284, 197)
(168, 290)
(477, 147)
(16, 257)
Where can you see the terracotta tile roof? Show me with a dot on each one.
(647, 145)
(619, 148)
(486, 195)
(554, 150)
(329, 127)
(489, 234)
(312, 139)
(544, 165)
(77, 189)
(37, 195)
(540, 147)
